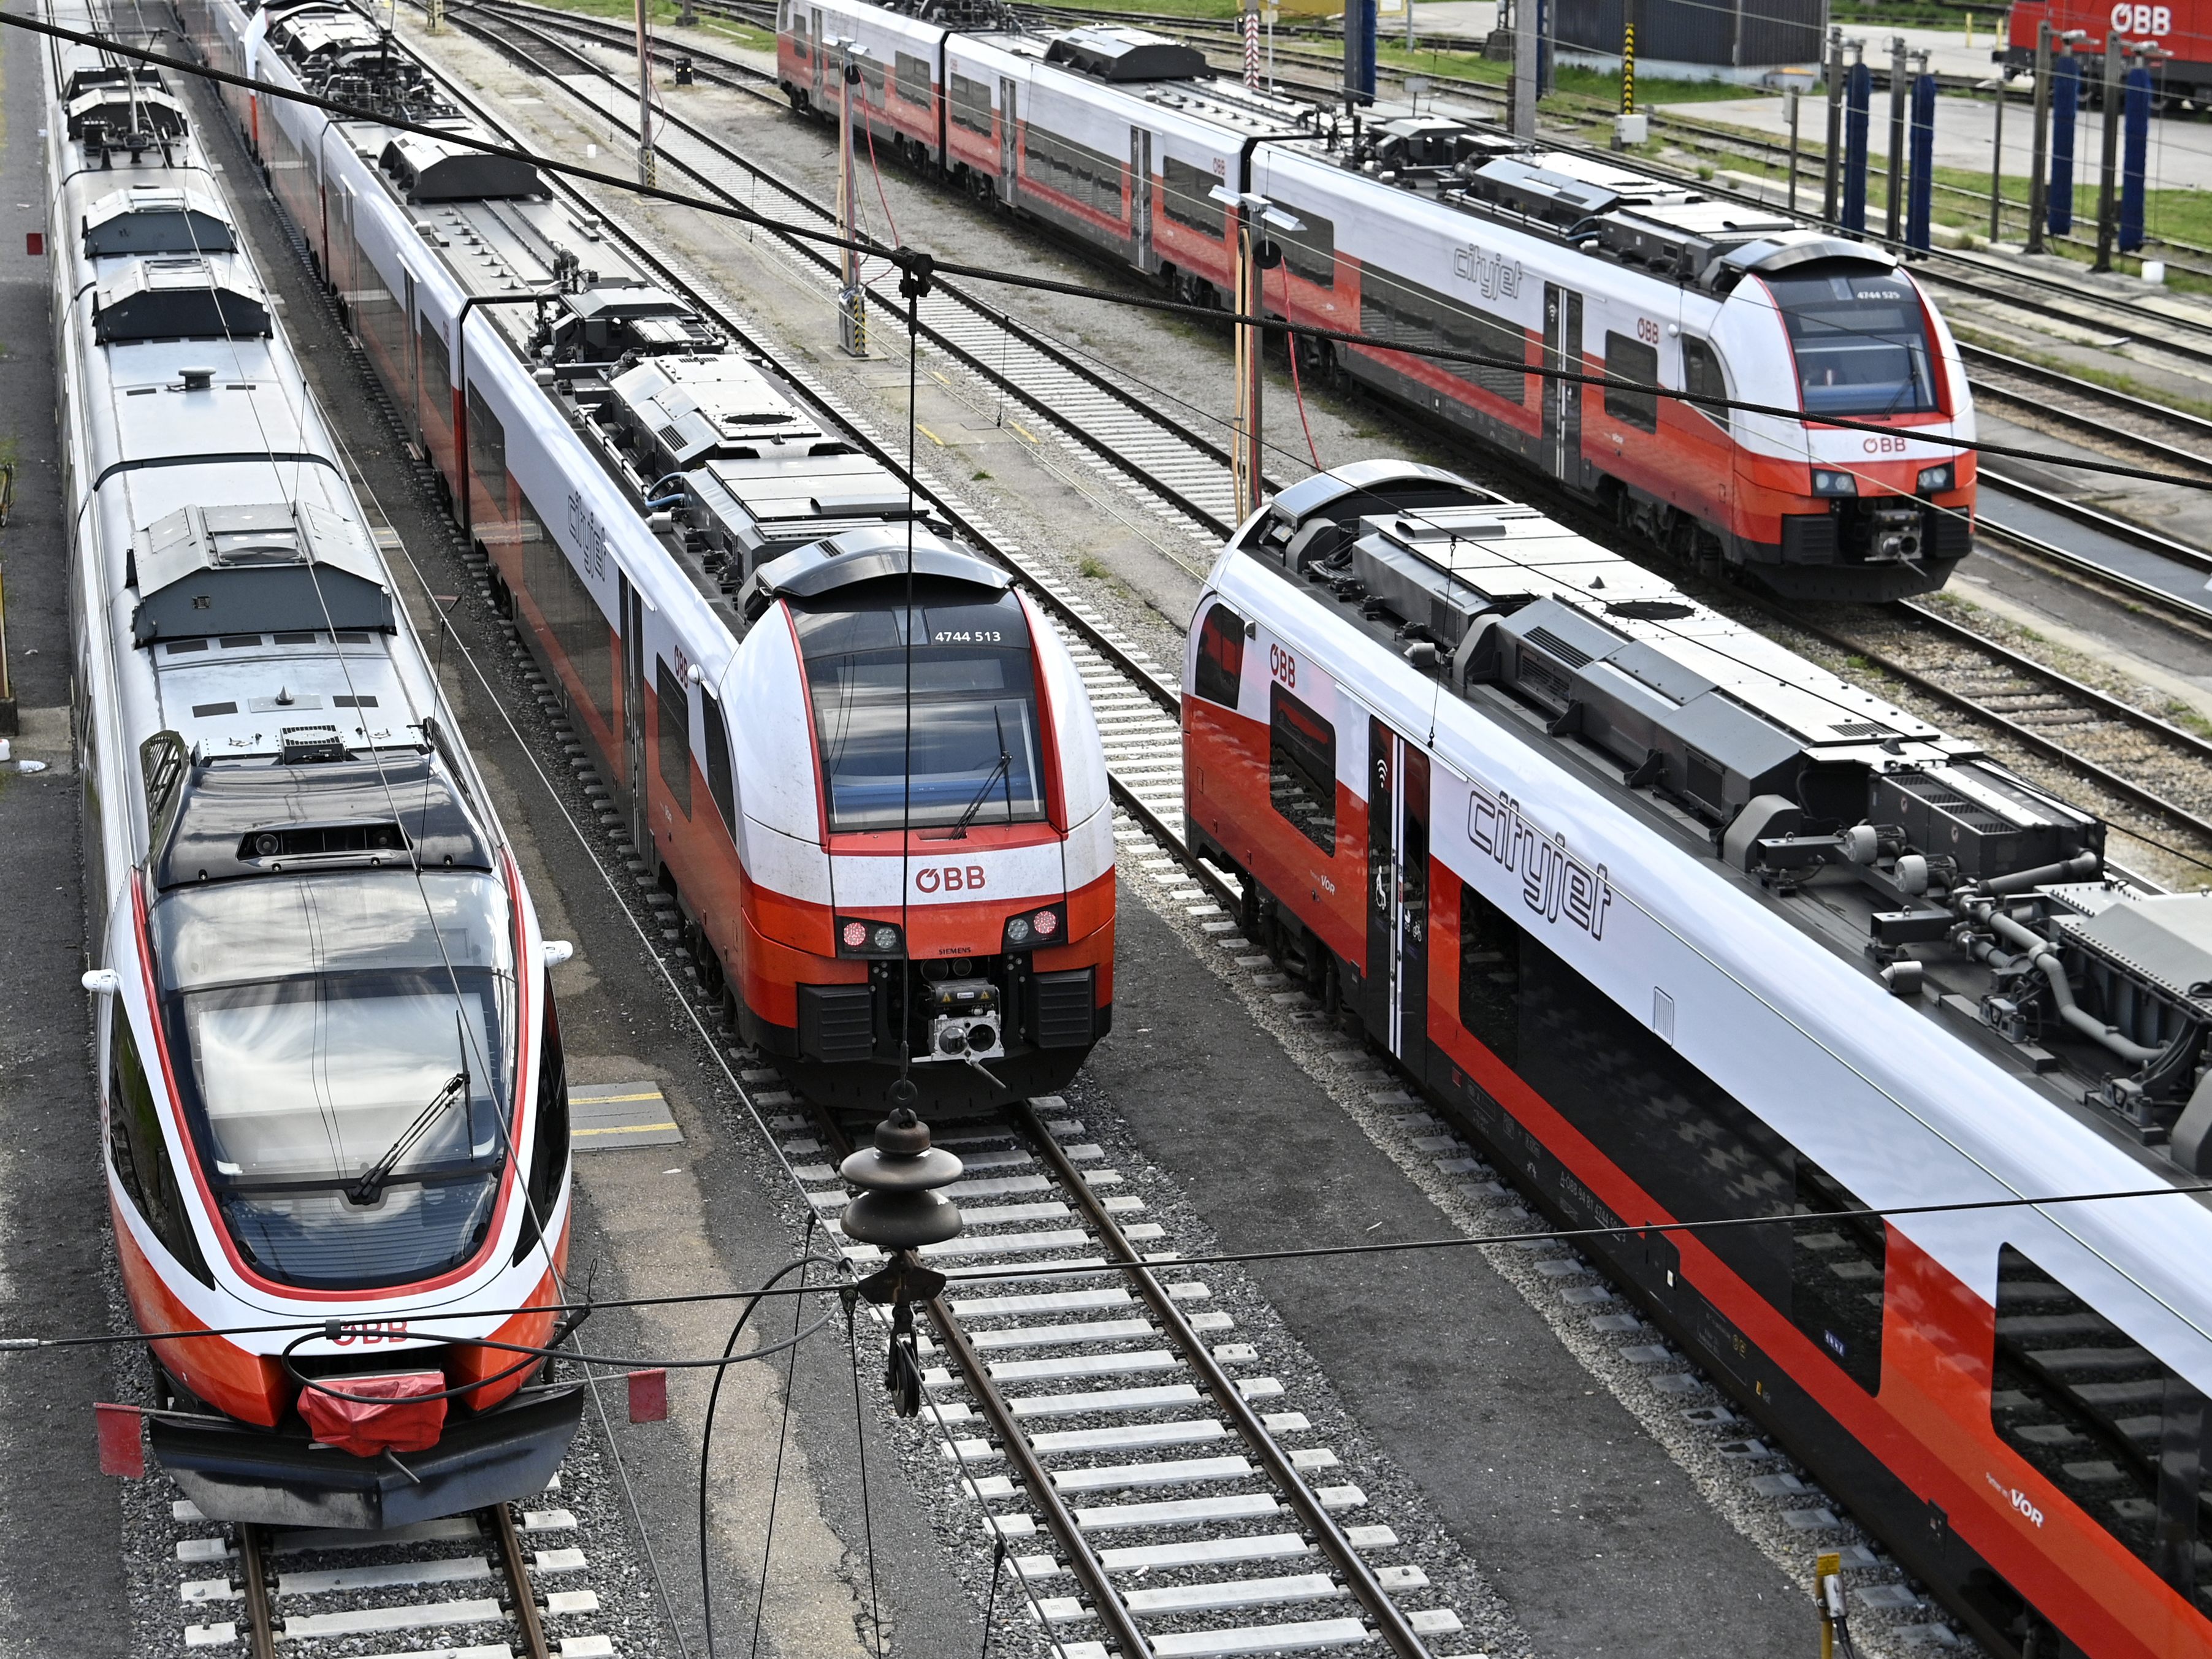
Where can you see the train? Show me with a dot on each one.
(1676, 927)
(333, 1109)
(854, 757)
(2180, 28)
(1428, 230)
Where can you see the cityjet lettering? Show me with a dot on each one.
(1488, 272)
(1553, 882)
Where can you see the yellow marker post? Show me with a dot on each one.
(1825, 1567)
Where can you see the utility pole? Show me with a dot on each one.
(2108, 201)
(1830, 199)
(852, 297)
(1359, 51)
(1996, 166)
(1790, 104)
(648, 170)
(1256, 256)
(1894, 218)
(1520, 102)
(2039, 181)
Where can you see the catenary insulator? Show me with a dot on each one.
(898, 1207)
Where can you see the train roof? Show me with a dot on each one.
(1887, 840)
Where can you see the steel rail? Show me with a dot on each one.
(1390, 1624)
(507, 1545)
(258, 1590)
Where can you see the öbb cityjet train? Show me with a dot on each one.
(859, 760)
(332, 1075)
(1433, 231)
(1680, 928)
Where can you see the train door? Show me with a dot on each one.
(633, 708)
(1009, 137)
(1563, 399)
(1396, 991)
(1140, 198)
(411, 399)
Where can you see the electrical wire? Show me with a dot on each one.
(908, 260)
(782, 1445)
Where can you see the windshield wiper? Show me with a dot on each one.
(1005, 769)
(370, 1185)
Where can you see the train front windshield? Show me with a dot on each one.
(964, 748)
(1860, 340)
(327, 1020)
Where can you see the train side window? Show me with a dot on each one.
(2105, 1421)
(1631, 360)
(1489, 976)
(437, 369)
(1702, 374)
(1696, 1149)
(1187, 197)
(1391, 308)
(717, 761)
(783, 15)
(549, 1140)
(487, 450)
(971, 103)
(798, 45)
(1308, 252)
(1302, 770)
(872, 77)
(571, 615)
(675, 745)
(1221, 656)
(141, 1155)
(914, 79)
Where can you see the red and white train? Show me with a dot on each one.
(1678, 926)
(860, 761)
(330, 1073)
(2180, 28)
(1433, 231)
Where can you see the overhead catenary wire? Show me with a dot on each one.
(907, 260)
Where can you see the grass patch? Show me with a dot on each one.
(978, 476)
(1092, 566)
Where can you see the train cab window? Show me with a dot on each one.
(1220, 656)
(1187, 197)
(1631, 360)
(1302, 768)
(2105, 1421)
(674, 734)
(315, 1019)
(1308, 252)
(1696, 1149)
(914, 79)
(141, 1155)
(549, 1141)
(718, 760)
(943, 734)
(971, 103)
(1702, 374)
(1860, 340)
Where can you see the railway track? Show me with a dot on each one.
(473, 1582)
(1114, 1417)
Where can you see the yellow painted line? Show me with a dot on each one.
(927, 434)
(622, 1129)
(603, 1100)
(1025, 432)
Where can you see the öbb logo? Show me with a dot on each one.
(378, 1330)
(2152, 21)
(950, 879)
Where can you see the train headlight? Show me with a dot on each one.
(1033, 929)
(857, 936)
(1934, 480)
(1829, 482)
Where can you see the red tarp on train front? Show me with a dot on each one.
(396, 1417)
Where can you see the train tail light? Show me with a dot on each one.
(858, 935)
(1030, 930)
